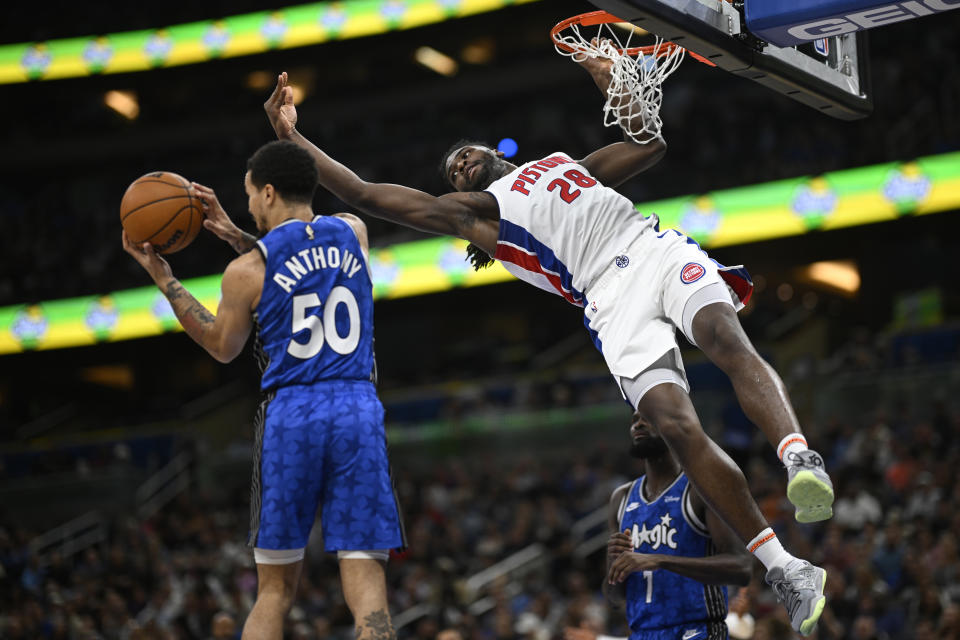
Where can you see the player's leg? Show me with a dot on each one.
(660, 396)
(284, 496)
(359, 506)
(276, 588)
(711, 320)
(718, 479)
(362, 574)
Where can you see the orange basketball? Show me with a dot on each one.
(158, 208)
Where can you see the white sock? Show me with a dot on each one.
(768, 550)
(793, 443)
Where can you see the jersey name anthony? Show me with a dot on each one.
(314, 259)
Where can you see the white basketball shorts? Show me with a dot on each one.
(654, 287)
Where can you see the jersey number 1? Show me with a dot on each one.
(649, 576)
(325, 330)
(567, 193)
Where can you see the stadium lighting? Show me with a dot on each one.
(299, 93)
(508, 146)
(260, 80)
(629, 27)
(479, 51)
(436, 61)
(123, 102)
(839, 275)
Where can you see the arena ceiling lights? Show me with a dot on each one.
(733, 216)
(242, 35)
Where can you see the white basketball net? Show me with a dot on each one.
(635, 93)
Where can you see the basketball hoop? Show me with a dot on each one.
(635, 92)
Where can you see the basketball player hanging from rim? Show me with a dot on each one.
(637, 284)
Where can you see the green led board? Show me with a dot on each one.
(732, 216)
(241, 35)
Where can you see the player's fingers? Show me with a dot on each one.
(614, 572)
(277, 89)
(288, 95)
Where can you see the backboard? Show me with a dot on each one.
(830, 75)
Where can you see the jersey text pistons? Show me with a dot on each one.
(531, 174)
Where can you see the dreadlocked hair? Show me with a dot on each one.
(478, 257)
(459, 144)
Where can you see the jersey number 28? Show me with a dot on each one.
(567, 193)
(325, 330)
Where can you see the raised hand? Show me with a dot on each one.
(157, 267)
(280, 110)
(597, 66)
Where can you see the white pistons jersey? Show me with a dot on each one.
(559, 227)
(563, 231)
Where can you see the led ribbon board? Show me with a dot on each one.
(787, 23)
(241, 35)
(732, 216)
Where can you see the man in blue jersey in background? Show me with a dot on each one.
(670, 557)
(320, 437)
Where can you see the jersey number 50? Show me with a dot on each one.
(326, 330)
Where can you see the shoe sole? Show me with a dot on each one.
(812, 497)
(810, 623)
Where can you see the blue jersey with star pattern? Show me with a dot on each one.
(667, 524)
(315, 316)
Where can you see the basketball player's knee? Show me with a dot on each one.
(679, 430)
(278, 596)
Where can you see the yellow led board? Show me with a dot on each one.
(247, 34)
(732, 216)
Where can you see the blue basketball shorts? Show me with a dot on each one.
(323, 445)
(692, 631)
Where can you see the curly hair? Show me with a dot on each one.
(289, 168)
(478, 257)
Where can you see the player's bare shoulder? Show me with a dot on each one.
(616, 500)
(243, 277)
(359, 227)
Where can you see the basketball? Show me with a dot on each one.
(158, 208)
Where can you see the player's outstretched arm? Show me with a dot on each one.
(222, 335)
(470, 216)
(616, 163)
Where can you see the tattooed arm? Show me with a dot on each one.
(222, 335)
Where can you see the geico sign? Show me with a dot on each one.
(875, 17)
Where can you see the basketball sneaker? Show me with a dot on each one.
(809, 487)
(799, 586)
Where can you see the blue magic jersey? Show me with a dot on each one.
(315, 316)
(662, 599)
